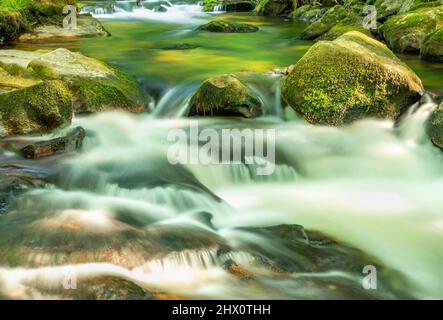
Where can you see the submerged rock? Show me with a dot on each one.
(36, 109)
(227, 27)
(407, 32)
(432, 48)
(87, 26)
(435, 126)
(352, 77)
(95, 85)
(224, 95)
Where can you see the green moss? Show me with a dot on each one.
(12, 25)
(37, 109)
(224, 95)
(208, 5)
(351, 23)
(424, 4)
(325, 23)
(96, 95)
(350, 78)
(20, 16)
(432, 48)
(406, 32)
(274, 7)
(13, 69)
(41, 70)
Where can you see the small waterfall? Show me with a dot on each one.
(219, 8)
(412, 126)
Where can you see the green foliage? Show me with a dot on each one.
(208, 5)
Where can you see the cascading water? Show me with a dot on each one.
(366, 193)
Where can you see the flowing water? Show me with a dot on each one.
(119, 209)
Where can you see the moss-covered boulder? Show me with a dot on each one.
(12, 25)
(435, 126)
(308, 13)
(350, 78)
(227, 27)
(325, 23)
(95, 85)
(407, 32)
(36, 109)
(10, 81)
(432, 48)
(387, 8)
(224, 95)
(351, 23)
(274, 7)
(87, 27)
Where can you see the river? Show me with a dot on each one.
(120, 209)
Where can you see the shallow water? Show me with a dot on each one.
(120, 209)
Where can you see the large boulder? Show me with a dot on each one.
(432, 48)
(435, 126)
(274, 7)
(224, 95)
(309, 13)
(352, 77)
(325, 23)
(96, 86)
(87, 27)
(351, 23)
(36, 109)
(223, 26)
(407, 32)
(387, 8)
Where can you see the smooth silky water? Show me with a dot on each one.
(120, 209)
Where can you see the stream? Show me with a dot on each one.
(124, 222)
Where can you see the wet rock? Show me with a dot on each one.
(432, 48)
(350, 78)
(325, 23)
(224, 95)
(223, 26)
(10, 82)
(406, 33)
(87, 27)
(103, 288)
(95, 85)
(435, 126)
(274, 7)
(352, 22)
(68, 143)
(36, 109)
(309, 13)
